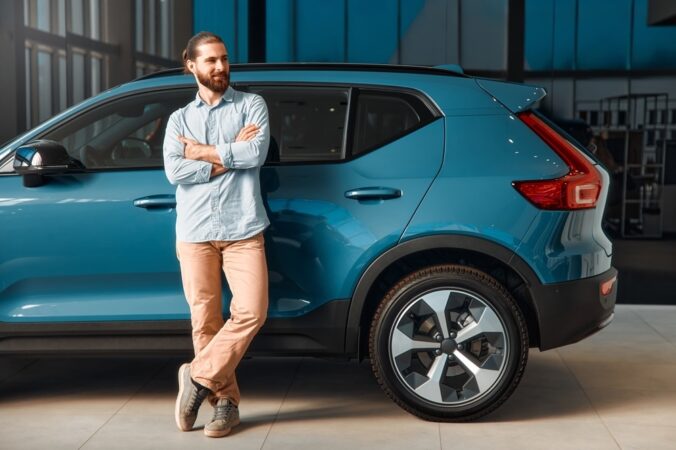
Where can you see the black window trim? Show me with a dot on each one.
(348, 135)
(404, 96)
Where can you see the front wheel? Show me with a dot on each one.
(448, 343)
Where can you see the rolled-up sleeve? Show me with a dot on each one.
(249, 154)
(178, 169)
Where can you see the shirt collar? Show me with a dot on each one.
(228, 96)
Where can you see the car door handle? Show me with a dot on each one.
(162, 201)
(373, 193)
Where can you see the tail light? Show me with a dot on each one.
(578, 189)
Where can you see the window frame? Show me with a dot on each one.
(102, 104)
(348, 136)
(353, 95)
(421, 109)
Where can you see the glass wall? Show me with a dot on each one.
(418, 32)
(596, 35)
(58, 72)
(154, 35)
(68, 50)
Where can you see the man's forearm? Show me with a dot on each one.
(217, 169)
(204, 152)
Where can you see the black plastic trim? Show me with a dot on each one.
(571, 311)
(320, 332)
(565, 312)
(427, 113)
(447, 241)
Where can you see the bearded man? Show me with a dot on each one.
(213, 150)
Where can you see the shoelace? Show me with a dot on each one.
(222, 412)
(196, 399)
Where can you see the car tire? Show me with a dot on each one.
(455, 366)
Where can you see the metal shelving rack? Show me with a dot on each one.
(641, 119)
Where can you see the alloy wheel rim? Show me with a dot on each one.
(449, 347)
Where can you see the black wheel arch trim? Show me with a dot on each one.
(418, 244)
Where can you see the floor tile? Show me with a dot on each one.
(27, 430)
(159, 432)
(526, 436)
(635, 407)
(614, 389)
(644, 437)
(547, 370)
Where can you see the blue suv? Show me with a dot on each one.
(430, 221)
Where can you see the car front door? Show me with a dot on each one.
(98, 245)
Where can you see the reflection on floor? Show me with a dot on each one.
(613, 390)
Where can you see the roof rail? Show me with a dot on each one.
(448, 70)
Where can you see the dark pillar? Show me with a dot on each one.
(257, 28)
(119, 15)
(515, 41)
(13, 74)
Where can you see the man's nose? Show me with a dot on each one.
(220, 65)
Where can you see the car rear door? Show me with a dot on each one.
(346, 170)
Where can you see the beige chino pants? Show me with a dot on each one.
(219, 346)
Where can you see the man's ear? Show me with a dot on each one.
(191, 66)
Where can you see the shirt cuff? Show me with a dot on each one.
(225, 153)
(204, 173)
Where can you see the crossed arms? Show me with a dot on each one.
(187, 161)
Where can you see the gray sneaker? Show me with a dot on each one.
(226, 417)
(189, 399)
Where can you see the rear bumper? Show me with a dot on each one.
(568, 312)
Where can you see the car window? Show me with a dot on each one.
(384, 116)
(126, 133)
(307, 124)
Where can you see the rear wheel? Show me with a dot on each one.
(448, 343)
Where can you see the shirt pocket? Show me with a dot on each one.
(230, 125)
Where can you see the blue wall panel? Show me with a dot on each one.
(654, 47)
(320, 30)
(279, 34)
(228, 19)
(372, 26)
(563, 54)
(603, 34)
(539, 34)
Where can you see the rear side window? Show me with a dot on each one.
(307, 124)
(383, 116)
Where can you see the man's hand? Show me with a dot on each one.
(247, 133)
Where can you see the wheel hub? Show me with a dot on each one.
(448, 346)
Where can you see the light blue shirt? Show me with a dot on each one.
(227, 207)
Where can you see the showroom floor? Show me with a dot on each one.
(614, 390)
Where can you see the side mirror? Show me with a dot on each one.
(42, 157)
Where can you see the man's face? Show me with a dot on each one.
(211, 67)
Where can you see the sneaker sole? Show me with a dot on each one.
(181, 387)
(221, 433)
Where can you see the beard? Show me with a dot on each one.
(217, 82)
